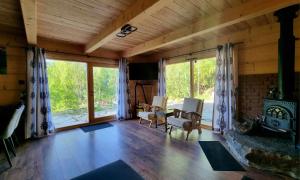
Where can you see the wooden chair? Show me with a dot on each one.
(189, 118)
(149, 114)
(9, 130)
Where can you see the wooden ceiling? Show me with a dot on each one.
(252, 23)
(76, 21)
(11, 16)
(174, 15)
(84, 21)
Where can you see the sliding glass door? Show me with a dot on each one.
(104, 91)
(203, 88)
(194, 78)
(68, 92)
(81, 93)
(177, 83)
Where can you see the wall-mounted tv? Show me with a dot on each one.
(143, 71)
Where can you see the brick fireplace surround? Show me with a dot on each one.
(268, 153)
(253, 89)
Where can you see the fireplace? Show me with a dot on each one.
(280, 113)
(280, 116)
(268, 143)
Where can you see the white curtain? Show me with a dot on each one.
(225, 91)
(38, 121)
(162, 77)
(123, 91)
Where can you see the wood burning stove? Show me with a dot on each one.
(280, 113)
(280, 116)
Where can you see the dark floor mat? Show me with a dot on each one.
(96, 127)
(219, 158)
(117, 170)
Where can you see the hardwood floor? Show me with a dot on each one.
(151, 152)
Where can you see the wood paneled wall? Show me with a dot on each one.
(10, 86)
(150, 91)
(259, 54)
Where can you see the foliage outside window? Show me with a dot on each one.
(68, 92)
(204, 82)
(105, 90)
(204, 79)
(68, 85)
(177, 83)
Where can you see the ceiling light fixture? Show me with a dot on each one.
(125, 30)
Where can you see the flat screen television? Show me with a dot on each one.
(143, 71)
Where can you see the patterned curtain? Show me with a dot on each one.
(162, 77)
(123, 91)
(224, 101)
(38, 122)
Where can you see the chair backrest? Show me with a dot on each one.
(20, 111)
(13, 123)
(192, 105)
(160, 101)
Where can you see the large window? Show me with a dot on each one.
(105, 90)
(68, 92)
(179, 83)
(204, 81)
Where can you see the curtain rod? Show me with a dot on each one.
(59, 52)
(13, 46)
(203, 50)
(85, 55)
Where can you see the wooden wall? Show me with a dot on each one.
(10, 87)
(150, 91)
(259, 53)
(257, 62)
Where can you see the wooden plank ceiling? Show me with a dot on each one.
(255, 22)
(77, 21)
(11, 17)
(80, 21)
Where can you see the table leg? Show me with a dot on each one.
(166, 126)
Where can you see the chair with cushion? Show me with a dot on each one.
(149, 114)
(189, 118)
(9, 130)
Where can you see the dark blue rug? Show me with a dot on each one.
(117, 170)
(96, 127)
(219, 158)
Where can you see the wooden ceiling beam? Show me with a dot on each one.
(29, 12)
(230, 16)
(250, 37)
(59, 46)
(133, 15)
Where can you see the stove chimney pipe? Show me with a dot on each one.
(286, 51)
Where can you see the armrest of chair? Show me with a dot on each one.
(195, 117)
(156, 108)
(194, 113)
(147, 107)
(176, 112)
